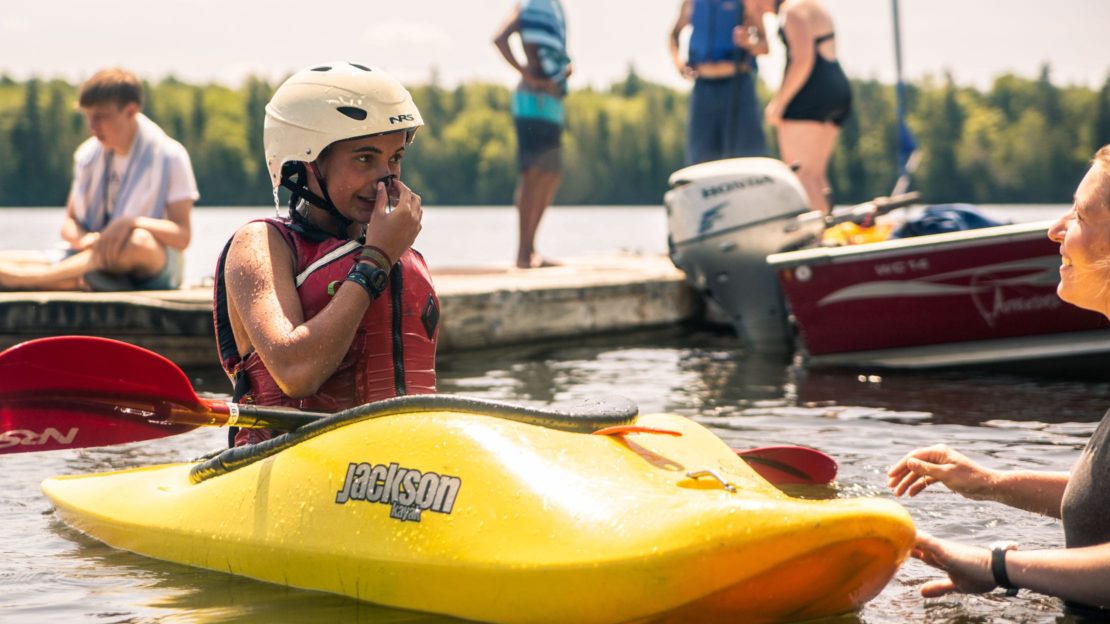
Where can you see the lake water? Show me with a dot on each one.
(50, 573)
(451, 236)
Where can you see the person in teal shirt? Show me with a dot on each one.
(537, 109)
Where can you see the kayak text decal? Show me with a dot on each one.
(26, 437)
(407, 491)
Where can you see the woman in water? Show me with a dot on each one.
(1080, 572)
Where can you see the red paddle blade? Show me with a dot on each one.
(79, 366)
(78, 391)
(791, 465)
(52, 424)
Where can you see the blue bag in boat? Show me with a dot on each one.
(941, 218)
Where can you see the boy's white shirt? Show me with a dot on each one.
(155, 173)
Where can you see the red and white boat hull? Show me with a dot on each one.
(970, 297)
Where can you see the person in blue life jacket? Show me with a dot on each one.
(1079, 573)
(537, 110)
(129, 209)
(723, 119)
(330, 307)
(815, 97)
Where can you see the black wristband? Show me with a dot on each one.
(371, 278)
(998, 569)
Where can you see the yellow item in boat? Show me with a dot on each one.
(487, 518)
(848, 233)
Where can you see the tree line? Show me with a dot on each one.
(1023, 140)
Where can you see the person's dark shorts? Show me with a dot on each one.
(539, 144)
(826, 97)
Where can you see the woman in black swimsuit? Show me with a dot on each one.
(815, 97)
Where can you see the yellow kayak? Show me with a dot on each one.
(443, 506)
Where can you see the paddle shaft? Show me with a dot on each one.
(206, 413)
(262, 417)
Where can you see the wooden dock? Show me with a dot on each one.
(481, 307)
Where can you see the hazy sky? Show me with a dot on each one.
(225, 40)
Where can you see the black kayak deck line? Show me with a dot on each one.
(585, 416)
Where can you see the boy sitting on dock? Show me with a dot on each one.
(127, 217)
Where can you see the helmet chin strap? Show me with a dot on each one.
(293, 178)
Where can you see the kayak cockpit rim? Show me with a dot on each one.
(585, 416)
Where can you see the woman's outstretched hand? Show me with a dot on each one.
(925, 466)
(968, 567)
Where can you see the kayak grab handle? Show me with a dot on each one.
(697, 474)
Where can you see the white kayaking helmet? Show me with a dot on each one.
(333, 102)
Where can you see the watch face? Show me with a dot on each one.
(374, 277)
(378, 278)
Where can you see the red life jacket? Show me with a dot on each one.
(393, 351)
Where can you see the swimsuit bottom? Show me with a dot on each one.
(825, 97)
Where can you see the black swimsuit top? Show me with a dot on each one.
(816, 42)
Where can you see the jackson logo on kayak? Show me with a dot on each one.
(407, 491)
(26, 437)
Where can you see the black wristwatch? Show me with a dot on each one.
(998, 566)
(370, 277)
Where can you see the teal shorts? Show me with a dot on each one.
(170, 277)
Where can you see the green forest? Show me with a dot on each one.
(1022, 141)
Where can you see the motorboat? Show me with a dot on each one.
(974, 297)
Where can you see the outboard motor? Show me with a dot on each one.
(724, 218)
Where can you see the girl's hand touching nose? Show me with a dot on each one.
(394, 231)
